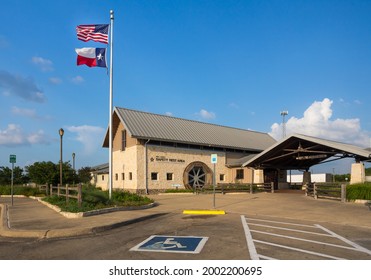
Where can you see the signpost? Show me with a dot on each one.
(214, 161)
(12, 160)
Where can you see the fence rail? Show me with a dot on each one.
(326, 190)
(66, 192)
(233, 188)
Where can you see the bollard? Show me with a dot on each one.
(315, 191)
(343, 192)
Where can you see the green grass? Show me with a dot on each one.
(21, 190)
(93, 199)
(359, 191)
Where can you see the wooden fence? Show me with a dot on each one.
(326, 190)
(68, 192)
(234, 188)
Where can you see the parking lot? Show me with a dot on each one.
(263, 226)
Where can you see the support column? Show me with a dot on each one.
(307, 178)
(258, 176)
(358, 173)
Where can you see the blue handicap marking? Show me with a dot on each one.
(173, 244)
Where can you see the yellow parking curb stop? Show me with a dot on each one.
(204, 212)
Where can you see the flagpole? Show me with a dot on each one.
(110, 105)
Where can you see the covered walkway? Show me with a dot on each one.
(301, 152)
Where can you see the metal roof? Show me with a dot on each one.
(301, 152)
(143, 125)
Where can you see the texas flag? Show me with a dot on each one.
(91, 57)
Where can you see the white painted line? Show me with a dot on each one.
(299, 250)
(266, 257)
(355, 245)
(289, 229)
(305, 240)
(249, 240)
(276, 222)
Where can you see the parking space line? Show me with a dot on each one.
(289, 229)
(358, 247)
(249, 240)
(305, 240)
(298, 250)
(266, 257)
(283, 223)
(264, 229)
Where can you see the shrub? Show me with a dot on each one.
(359, 191)
(20, 190)
(93, 198)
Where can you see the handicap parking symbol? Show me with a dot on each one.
(173, 244)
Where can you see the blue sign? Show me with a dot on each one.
(172, 244)
(214, 158)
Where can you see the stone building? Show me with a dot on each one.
(152, 153)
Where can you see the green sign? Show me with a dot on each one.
(12, 159)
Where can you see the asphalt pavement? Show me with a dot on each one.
(30, 218)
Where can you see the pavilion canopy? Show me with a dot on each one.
(301, 152)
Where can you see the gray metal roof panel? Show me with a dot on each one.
(160, 127)
(274, 149)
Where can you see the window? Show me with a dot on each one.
(221, 177)
(130, 175)
(123, 140)
(116, 176)
(154, 176)
(102, 177)
(122, 176)
(239, 174)
(169, 176)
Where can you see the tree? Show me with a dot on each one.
(6, 176)
(85, 174)
(48, 172)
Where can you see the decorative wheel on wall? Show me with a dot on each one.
(197, 175)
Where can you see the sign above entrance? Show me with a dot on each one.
(172, 244)
(214, 158)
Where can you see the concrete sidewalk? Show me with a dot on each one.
(30, 218)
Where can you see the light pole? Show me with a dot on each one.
(61, 132)
(284, 114)
(73, 166)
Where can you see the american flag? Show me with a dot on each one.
(95, 32)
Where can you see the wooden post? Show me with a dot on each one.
(343, 192)
(315, 191)
(51, 189)
(251, 189)
(67, 194)
(79, 194)
(272, 187)
(58, 190)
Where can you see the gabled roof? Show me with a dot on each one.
(301, 152)
(143, 125)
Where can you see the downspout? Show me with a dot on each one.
(146, 165)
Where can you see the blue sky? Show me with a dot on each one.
(234, 63)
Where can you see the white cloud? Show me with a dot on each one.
(14, 135)
(19, 86)
(90, 136)
(206, 115)
(317, 122)
(44, 64)
(28, 113)
(78, 80)
(55, 80)
(170, 114)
